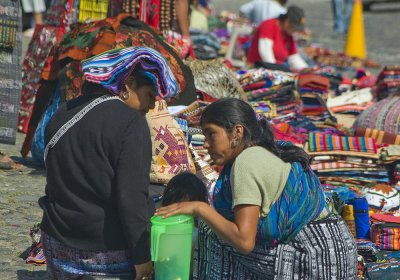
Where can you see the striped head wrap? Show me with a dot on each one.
(113, 67)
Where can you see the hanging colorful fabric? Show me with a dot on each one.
(91, 10)
(8, 33)
(43, 41)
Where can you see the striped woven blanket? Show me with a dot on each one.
(320, 142)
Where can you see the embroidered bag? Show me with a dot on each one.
(171, 154)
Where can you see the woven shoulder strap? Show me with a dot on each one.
(74, 120)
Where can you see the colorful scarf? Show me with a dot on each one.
(111, 69)
(301, 202)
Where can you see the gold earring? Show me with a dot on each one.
(125, 95)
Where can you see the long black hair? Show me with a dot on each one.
(228, 112)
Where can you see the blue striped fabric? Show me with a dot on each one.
(301, 202)
(112, 67)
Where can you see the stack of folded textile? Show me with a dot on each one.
(388, 82)
(367, 249)
(205, 44)
(313, 89)
(351, 102)
(352, 161)
(192, 113)
(286, 132)
(264, 108)
(275, 86)
(311, 82)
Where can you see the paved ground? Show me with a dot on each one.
(19, 190)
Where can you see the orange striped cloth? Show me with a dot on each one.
(322, 142)
(381, 137)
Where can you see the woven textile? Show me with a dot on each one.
(64, 262)
(383, 115)
(283, 220)
(379, 135)
(40, 48)
(309, 255)
(313, 81)
(10, 73)
(386, 235)
(8, 37)
(204, 171)
(171, 154)
(337, 165)
(388, 82)
(111, 69)
(251, 76)
(385, 270)
(326, 142)
(192, 113)
(92, 10)
(367, 249)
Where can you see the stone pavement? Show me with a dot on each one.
(19, 210)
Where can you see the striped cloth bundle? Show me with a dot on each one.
(322, 142)
(111, 69)
(336, 165)
(379, 135)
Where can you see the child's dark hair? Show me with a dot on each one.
(184, 187)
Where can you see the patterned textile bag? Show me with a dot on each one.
(171, 154)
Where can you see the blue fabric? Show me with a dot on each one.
(343, 192)
(301, 202)
(37, 148)
(361, 217)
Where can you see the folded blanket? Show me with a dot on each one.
(319, 142)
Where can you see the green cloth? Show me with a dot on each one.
(258, 178)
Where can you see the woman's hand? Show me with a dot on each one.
(190, 208)
(144, 271)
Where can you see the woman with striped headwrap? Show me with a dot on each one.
(98, 153)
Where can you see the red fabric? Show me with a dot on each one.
(283, 46)
(388, 218)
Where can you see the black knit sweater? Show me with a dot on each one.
(97, 179)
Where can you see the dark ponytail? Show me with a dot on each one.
(228, 112)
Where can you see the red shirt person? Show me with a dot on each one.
(273, 41)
